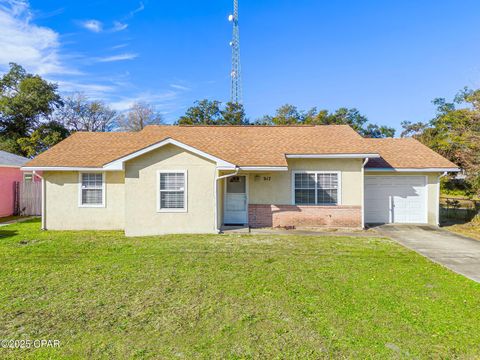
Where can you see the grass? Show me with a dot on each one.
(460, 196)
(10, 218)
(471, 230)
(233, 296)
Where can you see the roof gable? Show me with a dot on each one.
(119, 164)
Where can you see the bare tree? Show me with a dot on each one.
(138, 116)
(81, 114)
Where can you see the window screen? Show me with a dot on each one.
(305, 189)
(92, 189)
(327, 189)
(172, 190)
(316, 188)
(27, 177)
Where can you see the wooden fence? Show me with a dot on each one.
(28, 198)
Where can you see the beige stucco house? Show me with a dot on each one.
(199, 179)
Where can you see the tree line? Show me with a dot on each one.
(34, 117)
(205, 112)
(454, 132)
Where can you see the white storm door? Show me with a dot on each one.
(236, 207)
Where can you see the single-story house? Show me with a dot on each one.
(10, 173)
(198, 179)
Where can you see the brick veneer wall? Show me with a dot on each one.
(293, 215)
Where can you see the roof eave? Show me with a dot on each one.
(425, 169)
(119, 164)
(64, 168)
(334, 156)
(10, 166)
(264, 168)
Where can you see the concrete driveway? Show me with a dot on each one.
(456, 252)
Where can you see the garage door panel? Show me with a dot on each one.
(399, 199)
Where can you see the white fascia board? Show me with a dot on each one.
(118, 164)
(412, 169)
(226, 168)
(114, 166)
(63, 168)
(264, 168)
(331, 156)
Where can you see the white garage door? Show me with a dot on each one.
(395, 199)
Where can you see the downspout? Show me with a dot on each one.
(43, 210)
(438, 197)
(363, 191)
(217, 178)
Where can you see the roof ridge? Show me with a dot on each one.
(105, 132)
(249, 126)
(389, 138)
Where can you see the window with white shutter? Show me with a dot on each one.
(172, 191)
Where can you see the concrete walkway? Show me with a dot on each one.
(456, 252)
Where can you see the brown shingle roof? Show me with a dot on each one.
(405, 153)
(240, 145)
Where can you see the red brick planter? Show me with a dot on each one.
(308, 216)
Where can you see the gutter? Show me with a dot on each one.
(43, 211)
(217, 178)
(333, 156)
(413, 169)
(438, 197)
(363, 191)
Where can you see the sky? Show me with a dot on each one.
(389, 59)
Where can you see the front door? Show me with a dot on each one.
(236, 208)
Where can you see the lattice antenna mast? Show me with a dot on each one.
(236, 74)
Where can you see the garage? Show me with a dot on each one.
(395, 199)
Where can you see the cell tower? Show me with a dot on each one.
(236, 74)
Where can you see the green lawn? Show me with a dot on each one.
(10, 218)
(237, 296)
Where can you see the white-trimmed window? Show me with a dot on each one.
(27, 177)
(92, 189)
(316, 188)
(172, 191)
